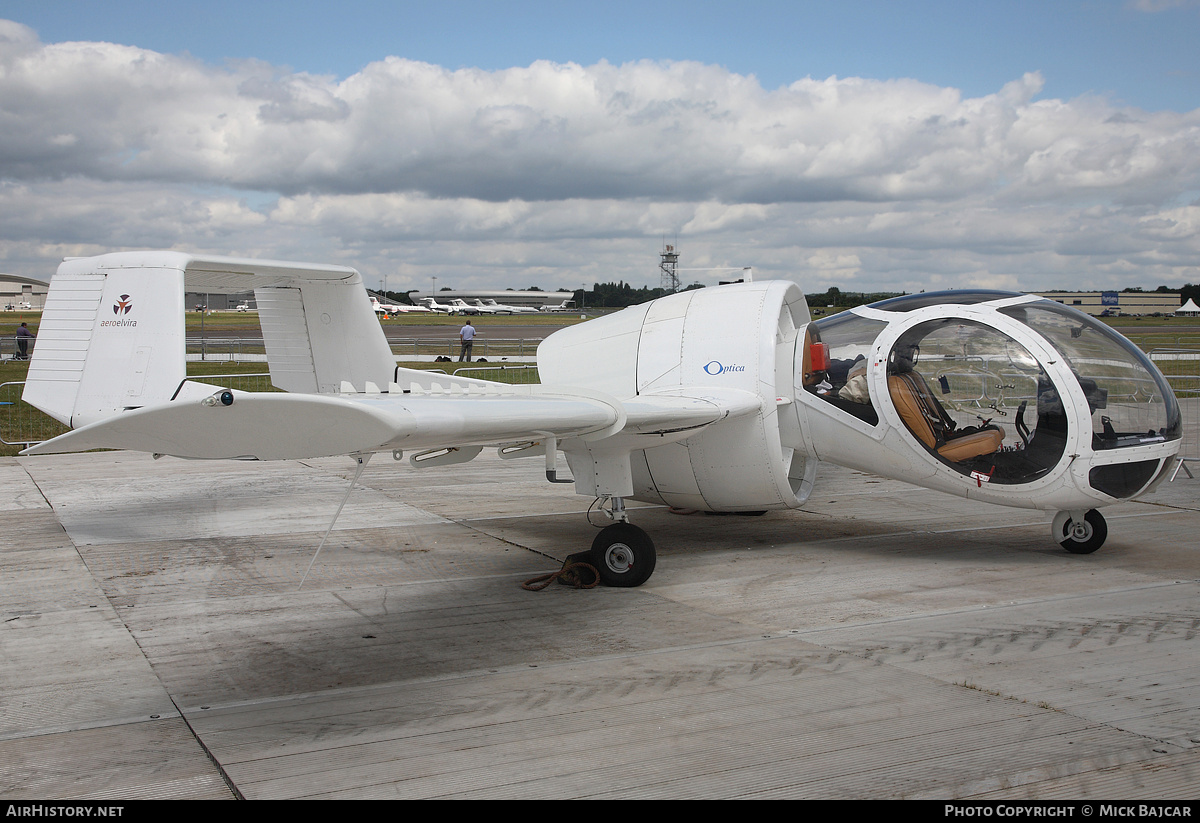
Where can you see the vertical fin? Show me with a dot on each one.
(111, 338)
(320, 333)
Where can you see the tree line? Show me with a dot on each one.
(620, 294)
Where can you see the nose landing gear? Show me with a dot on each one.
(1080, 532)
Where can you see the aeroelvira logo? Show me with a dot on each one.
(715, 367)
(122, 307)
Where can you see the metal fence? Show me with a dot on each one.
(22, 424)
(226, 349)
(501, 373)
(253, 350)
(10, 348)
(1182, 370)
(1151, 341)
(517, 374)
(492, 349)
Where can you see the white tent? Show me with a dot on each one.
(1189, 308)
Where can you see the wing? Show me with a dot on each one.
(206, 421)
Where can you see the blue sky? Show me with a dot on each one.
(868, 145)
(1148, 59)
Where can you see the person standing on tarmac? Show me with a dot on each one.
(24, 335)
(466, 334)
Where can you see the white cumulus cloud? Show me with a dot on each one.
(552, 169)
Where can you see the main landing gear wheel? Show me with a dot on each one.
(624, 555)
(1080, 536)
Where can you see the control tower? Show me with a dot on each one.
(667, 267)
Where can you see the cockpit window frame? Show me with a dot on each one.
(859, 406)
(995, 446)
(953, 297)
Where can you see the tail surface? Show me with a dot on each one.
(112, 333)
(111, 338)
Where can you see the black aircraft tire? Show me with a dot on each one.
(624, 555)
(1092, 536)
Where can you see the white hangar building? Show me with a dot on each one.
(16, 290)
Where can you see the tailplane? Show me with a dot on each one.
(112, 332)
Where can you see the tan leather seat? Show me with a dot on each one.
(928, 421)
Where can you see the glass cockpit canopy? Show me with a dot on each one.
(1130, 400)
(979, 401)
(967, 297)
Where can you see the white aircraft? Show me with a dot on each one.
(719, 399)
(501, 308)
(396, 308)
(461, 306)
(566, 305)
(434, 306)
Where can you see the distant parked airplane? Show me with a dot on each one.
(501, 308)
(434, 306)
(396, 308)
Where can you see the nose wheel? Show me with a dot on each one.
(624, 555)
(1080, 535)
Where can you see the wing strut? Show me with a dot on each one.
(362, 459)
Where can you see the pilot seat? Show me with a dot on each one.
(927, 419)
